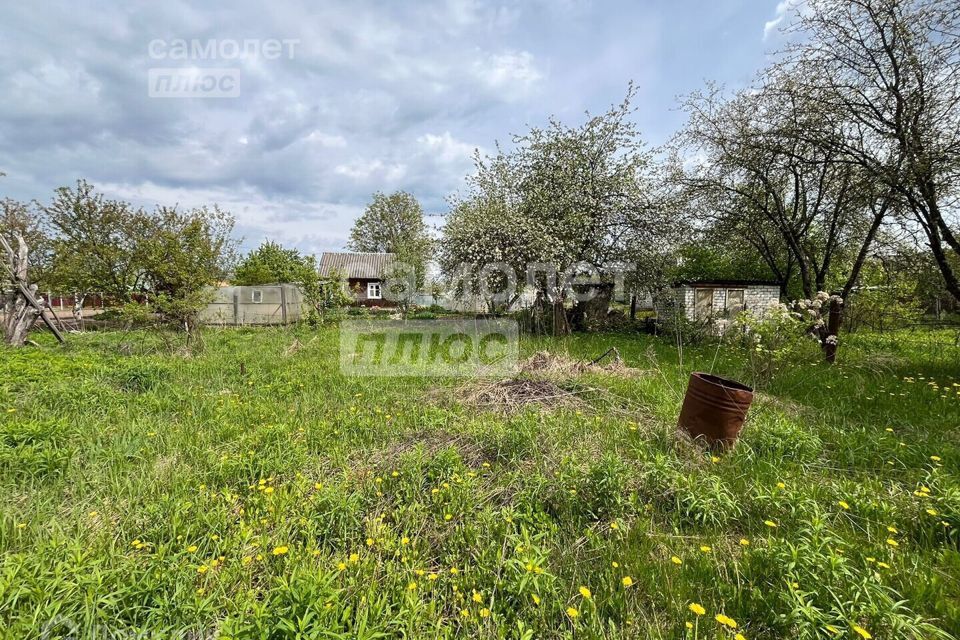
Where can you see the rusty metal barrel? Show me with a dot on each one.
(714, 409)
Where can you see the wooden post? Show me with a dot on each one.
(283, 304)
(633, 306)
(21, 306)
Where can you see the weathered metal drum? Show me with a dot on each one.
(714, 409)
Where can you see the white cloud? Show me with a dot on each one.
(445, 147)
(508, 70)
(783, 10)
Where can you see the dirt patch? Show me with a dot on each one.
(514, 394)
(544, 362)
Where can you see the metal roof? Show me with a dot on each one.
(355, 265)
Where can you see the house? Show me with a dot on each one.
(701, 299)
(363, 274)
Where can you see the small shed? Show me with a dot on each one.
(256, 305)
(363, 274)
(701, 299)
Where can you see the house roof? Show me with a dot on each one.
(355, 265)
(726, 283)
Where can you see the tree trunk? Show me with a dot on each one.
(833, 328)
(19, 314)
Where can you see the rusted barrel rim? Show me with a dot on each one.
(724, 383)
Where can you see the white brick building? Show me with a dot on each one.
(704, 299)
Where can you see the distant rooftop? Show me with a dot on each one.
(355, 265)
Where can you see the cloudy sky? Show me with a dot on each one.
(369, 96)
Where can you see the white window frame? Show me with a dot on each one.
(256, 296)
(374, 287)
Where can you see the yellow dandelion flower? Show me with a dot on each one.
(627, 581)
(412, 586)
(892, 542)
(892, 530)
(770, 523)
(573, 613)
(404, 540)
(432, 576)
(614, 526)
(477, 596)
(281, 550)
(688, 624)
(739, 636)
(484, 613)
(744, 542)
(586, 593)
(448, 517)
(863, 633)
(935, 458)
(202, 568)
(192, 548)
(843, 504)
(354, 558)
(676, 560)
(726, 621)
(369, 542)
(696, 608)
(933, 512)
(705, 548)
(341, 566)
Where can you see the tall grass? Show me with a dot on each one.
(159, 494)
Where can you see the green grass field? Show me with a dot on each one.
(147, 494)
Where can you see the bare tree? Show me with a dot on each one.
(886, 74)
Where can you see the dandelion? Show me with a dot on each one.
(726, 621)
(484, 613)
(318, 486)
(354, 558)
(781, 485)
(688, 624)
(202, 569)
(404, 540)
(892, 542)
(935, 458)
(739, 636)
(412, 586)
(432, 576)
(843, 504)
(892, 530)
(464, 613)
(448, 517)
(614, 526)
(744, 542)
(770, 523)
(477, 596)
(586, 593)
(627, 581)
(675, 560)
(341, 566)
(863, 633)
(536, 599)
(696, 608)
(454, 571)
(279, 551)
(572, 612)
(933, 512)
(705, 548)
(93, 514)
(192, 548)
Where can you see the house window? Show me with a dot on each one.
(703, 303)
(734, 301)
(373, 290)
(257, 296)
